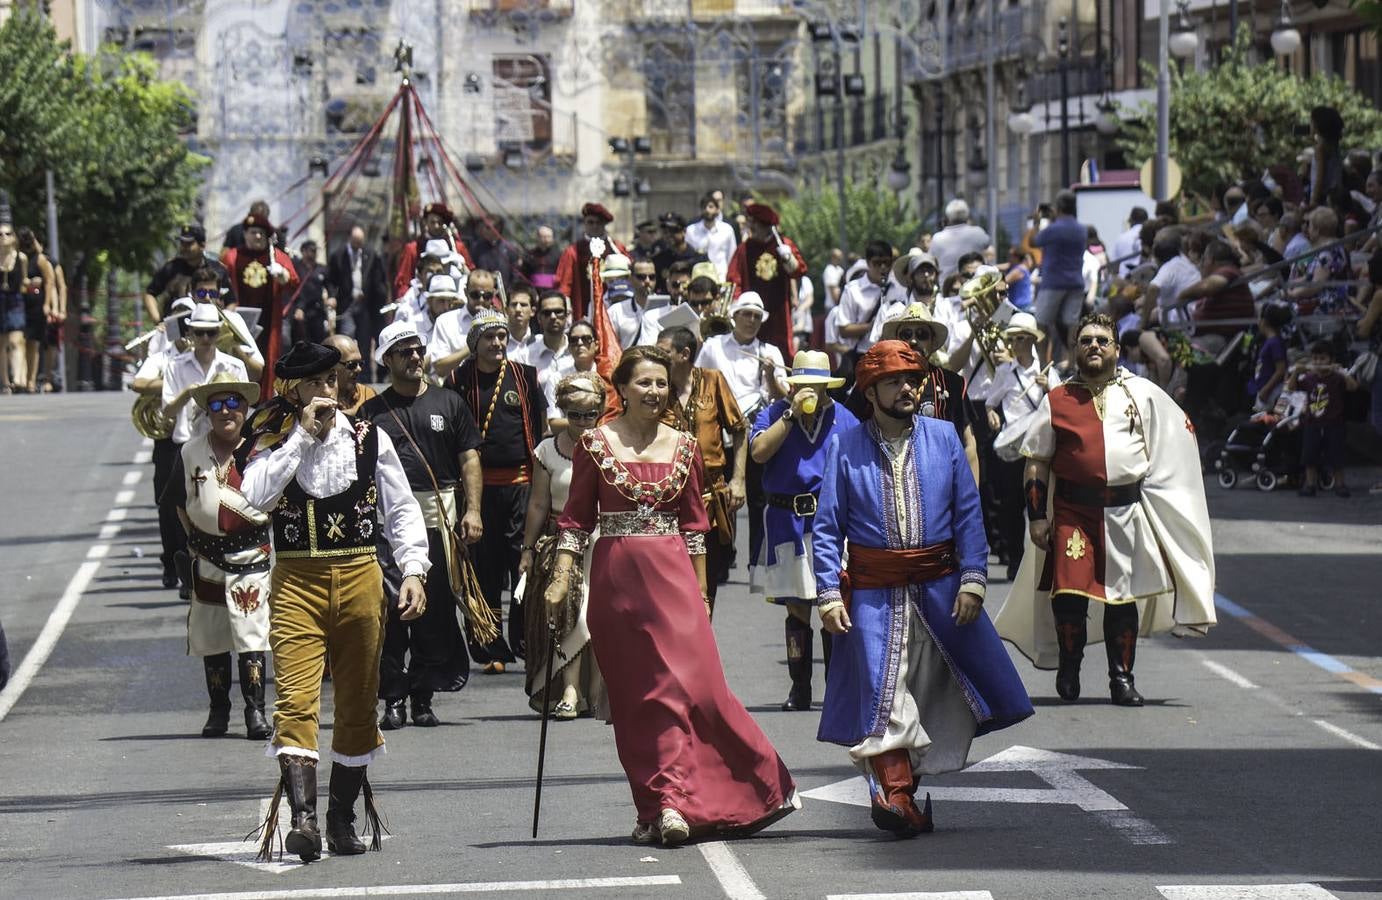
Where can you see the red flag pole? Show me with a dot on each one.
(610, 351)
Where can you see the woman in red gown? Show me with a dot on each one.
(696, 761)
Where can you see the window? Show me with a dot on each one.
(522, 89)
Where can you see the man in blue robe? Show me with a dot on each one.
(917, 670)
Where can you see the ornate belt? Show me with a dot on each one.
(633, 523)
(1099, 494)
(215, 548)
(801, 505)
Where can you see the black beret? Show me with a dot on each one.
(306, 359)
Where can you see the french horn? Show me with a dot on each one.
(148, 418)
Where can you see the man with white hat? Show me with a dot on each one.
(193, 367)
(441, 295)
(789, 440)
(437, 442)
(229, 564)
(1014, 397)
(754, 370)
(625, 307)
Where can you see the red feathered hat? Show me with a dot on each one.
(883, 359)
(595, 209)
(254, 220)
(761, 212)
(439, 209)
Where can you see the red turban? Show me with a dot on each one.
(761, 212)
(883, 359)
(598, 211)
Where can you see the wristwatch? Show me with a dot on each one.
(788, 414)
(420, 576)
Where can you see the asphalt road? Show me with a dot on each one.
(1256, 762)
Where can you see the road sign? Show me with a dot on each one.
(1146, 177)
(1059, 770)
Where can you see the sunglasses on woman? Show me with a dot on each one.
(588, 416)
(230, 403)
(580, 340)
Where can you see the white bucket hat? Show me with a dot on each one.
(392, 334)
(749, 300)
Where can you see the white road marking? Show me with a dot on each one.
(1228, 674)
(124, 497)
(48, 637)
(143, 457)
(1347, 735)
(132, 477)
(1056, 769)
(108, 531)
(96, 552)
(118, 514)
(733, 877)
(1245, 892)
(409, 890)
(917, 895)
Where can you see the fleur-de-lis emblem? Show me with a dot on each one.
(334, 531)
(1075, 546)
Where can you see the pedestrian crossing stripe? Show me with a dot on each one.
(1245, 892)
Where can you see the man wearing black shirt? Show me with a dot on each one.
(674, 248)
(174, 278)
(437, 442)
(310, 307)
(511, 411)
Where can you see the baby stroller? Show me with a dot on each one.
(1267, 446)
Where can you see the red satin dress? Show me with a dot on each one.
(684, 740)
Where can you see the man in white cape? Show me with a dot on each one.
(1117, 516)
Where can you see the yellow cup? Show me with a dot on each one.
(808, 405)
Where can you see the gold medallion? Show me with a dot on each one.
(766, 267)
(255, 275)
(1075, 546)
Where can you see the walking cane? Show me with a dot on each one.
(546, 714)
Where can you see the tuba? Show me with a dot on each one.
(149, 419)
(716, 319)
(983, 296)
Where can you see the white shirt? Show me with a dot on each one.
(893, 304)
(448, 333)
(859, 304)
(740, 365)
(627, 318)
(153, 365)
(832, 329)
(1128, 247)
(420, 319)
(717, 242)
(327, 467)
(954, 241)
(1177, 274)
(1014, 389)
(830, 277)
(545, 360)
(182, 372)
(801, 310)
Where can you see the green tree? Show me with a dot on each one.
(110, 132)
(812, 219)
(1232, 121)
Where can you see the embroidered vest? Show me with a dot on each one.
(340, 525)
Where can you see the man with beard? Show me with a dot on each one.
(448, 346)
(712, 235)
(174, 278)
(573, 269)
(229, 544)
(262, 278)
(917, 670)
(438, 224)
(769, 265)
(435, 435)
(511, 411)
(1125, 524)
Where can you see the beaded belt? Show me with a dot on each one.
(633, 523)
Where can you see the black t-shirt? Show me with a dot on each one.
(174, 278)
(506, 443)
(439, 421)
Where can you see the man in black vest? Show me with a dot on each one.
(328, 481)
(437, 441)
(511, 410)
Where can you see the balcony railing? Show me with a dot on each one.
(866, 120)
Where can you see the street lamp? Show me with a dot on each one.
(899, 173)
(1020, 119)
(1285, 37)
(1184, 40)
(1106, 122)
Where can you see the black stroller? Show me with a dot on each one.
(1267, 447)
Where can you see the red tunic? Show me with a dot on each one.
(572, 277)
(684, 740)
(755, 266)
(254, 288)
(407, 262)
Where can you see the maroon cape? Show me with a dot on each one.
(572, 279)
(755, 266)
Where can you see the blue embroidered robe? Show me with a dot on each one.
(859, 504)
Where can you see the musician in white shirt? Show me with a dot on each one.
(754, 369)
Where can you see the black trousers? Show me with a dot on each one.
(1011, 518)
(757, 502)
(4, 659)
(170, 531)
(429, 653)
(502, 510)
(983, 440)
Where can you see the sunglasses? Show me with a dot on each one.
(206, 333)
(697, 304)
(230, 403)
(207, 294)
(589, 416)
(914, 334)
(1096, 340)
(353, 365)
(551, 312)
(419, 350)
(581, 340)
(647, 276)
(480, 295)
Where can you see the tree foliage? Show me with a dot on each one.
(813, 220)
(1232, 121)
(111, 133)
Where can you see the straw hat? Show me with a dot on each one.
(812, 367)
(917, 314)
(1024, 323)
(225, 383)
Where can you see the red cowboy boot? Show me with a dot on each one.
(893, 806)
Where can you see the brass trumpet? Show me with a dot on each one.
(716, 319)
(986, 294)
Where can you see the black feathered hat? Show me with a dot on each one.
(306, 359)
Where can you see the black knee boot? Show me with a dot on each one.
(217, 670)
(800, 650)
(252, 689)
(297, 777)
(1120, 642)
(340, 809)
(1072, 633)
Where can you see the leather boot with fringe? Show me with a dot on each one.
(344, 788)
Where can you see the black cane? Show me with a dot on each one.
(546, 713)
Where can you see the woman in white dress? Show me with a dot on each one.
(581, 399)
